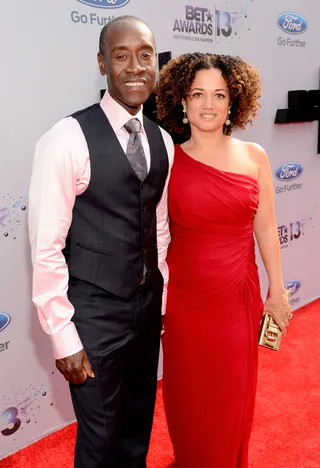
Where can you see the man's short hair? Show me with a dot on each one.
(105, 29)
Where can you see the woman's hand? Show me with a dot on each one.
(277, 305)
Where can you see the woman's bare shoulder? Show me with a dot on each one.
(256, 152)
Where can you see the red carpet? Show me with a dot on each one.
(287, 421)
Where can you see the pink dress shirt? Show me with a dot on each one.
(61, 171)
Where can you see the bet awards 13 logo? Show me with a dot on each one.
(291, 232)
(207, 25)
(201, 21)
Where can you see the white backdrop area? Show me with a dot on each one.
(49, 70)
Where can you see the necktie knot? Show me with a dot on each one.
(133, 126)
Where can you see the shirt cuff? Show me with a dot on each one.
(66, 342)
(164, 301)
(164, 270)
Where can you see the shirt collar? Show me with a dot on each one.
(117, 115)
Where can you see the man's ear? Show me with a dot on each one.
(102, 67)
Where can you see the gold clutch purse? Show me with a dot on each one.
(270, 333)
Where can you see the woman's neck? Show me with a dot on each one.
(203, 140)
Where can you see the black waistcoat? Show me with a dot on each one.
(114, 227)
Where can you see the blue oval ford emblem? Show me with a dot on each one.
(5, 319)
(293, 286)
(289, 171)
(292, 23)
(105, 3)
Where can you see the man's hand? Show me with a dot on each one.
(75, 368)
(162, 325)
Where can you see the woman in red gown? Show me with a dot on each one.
(220, 195)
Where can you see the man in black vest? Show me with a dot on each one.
(99, 234)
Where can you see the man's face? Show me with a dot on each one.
(129, 63)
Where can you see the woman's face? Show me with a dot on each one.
(208, 102)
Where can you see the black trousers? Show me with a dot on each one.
(115, 409)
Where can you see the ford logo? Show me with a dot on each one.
(293, 286)
(105, 3)
(5, 319)
(289, 171)
(292, 23)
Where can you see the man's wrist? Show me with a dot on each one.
(66, 342)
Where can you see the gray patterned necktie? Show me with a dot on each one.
(135, 153)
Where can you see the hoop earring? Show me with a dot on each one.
(228, 121)
(185, 118)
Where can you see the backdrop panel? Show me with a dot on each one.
(49, 70)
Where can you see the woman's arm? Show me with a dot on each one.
(266, 232)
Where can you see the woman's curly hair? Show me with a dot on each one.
(177, 76)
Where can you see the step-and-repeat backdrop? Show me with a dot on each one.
(49, 69)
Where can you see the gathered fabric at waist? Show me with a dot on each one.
(212, 261)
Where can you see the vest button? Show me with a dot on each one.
(145, 230)
(142, 186)
(144, 208)
(145, 251)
